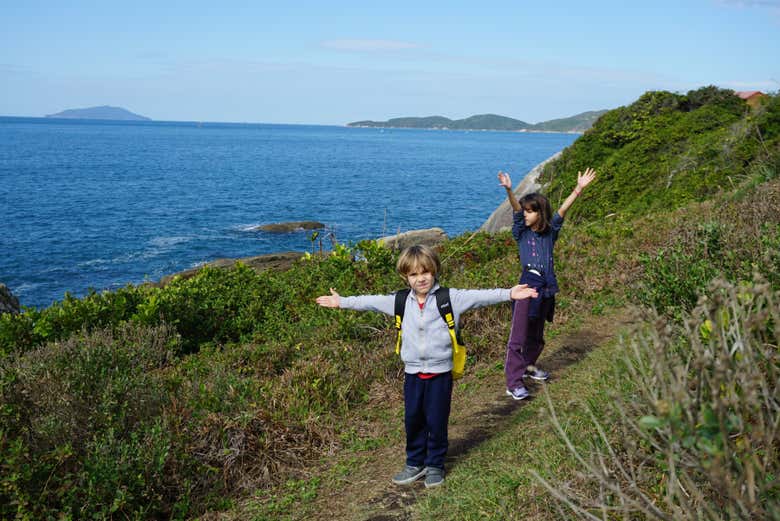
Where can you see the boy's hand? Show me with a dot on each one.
(504, 180)
(329, 301)
(522, 291)
(585, 179)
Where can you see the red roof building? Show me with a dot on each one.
(752, 97)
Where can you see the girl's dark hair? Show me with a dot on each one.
(536, 202)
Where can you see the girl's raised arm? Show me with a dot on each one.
(506, 182)
(583, 180)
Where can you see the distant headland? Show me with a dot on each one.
(579, 123)
(103, 112)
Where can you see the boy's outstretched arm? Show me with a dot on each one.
(522, 291)
(506, 182)
(583, 180)
(329, 301)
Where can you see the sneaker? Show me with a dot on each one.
(518, 393)
(408, 475)
(536, 374)
(434, 477)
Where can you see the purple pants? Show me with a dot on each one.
(526, 340)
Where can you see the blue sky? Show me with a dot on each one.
(331, 62)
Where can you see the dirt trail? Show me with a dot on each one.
(368, 495)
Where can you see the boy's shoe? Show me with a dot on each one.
(409, 475)
(518, 393)
(536, 374)
(434, 477)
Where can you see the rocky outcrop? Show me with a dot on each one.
(429, 237)
(285, 260)
(8, 301)
(287, 227)
(501, 218)
(272, 261)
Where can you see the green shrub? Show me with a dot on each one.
(80, 428)
(674, 277)
(19, 333)
(216, 305)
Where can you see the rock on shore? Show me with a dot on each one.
(8, 301)
(428, 237)
(272, 261)
(292, 226)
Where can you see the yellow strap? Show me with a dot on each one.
(451, 327)
(398, 340)
(450, 320)
(455, 346)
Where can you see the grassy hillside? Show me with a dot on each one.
(479, 122)
(578, 123)
(173, 402)
(666, 150)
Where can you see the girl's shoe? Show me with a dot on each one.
(518, 393)
(536, 374)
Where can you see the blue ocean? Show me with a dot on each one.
(99, 204)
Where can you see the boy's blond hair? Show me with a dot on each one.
(418, 256)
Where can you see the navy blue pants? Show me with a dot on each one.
(426, 414)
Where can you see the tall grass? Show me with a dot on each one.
(698, 436)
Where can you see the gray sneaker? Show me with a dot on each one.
(409, 475)
(518, 393)
(434, 477)
(536, 374)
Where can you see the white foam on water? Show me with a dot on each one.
(94, 262)
(198, 264)
(23, 288)
(167, 242)
(246, 227)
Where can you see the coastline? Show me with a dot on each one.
(520, 131)
(128, 221)
(498, 220)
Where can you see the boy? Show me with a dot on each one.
(426, 350)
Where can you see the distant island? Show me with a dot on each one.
(579, 123)
(104, 112)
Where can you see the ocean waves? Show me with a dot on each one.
(99, 206)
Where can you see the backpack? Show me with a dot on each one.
(444, 305)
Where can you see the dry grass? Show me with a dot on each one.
(698, 437)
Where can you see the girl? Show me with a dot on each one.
(535, 229)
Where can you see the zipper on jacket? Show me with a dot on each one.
(424, 339)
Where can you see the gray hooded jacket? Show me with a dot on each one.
(425, 341)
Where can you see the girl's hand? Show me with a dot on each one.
(329, 301)
(504, 180)
(522, 291)
(585, 179)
